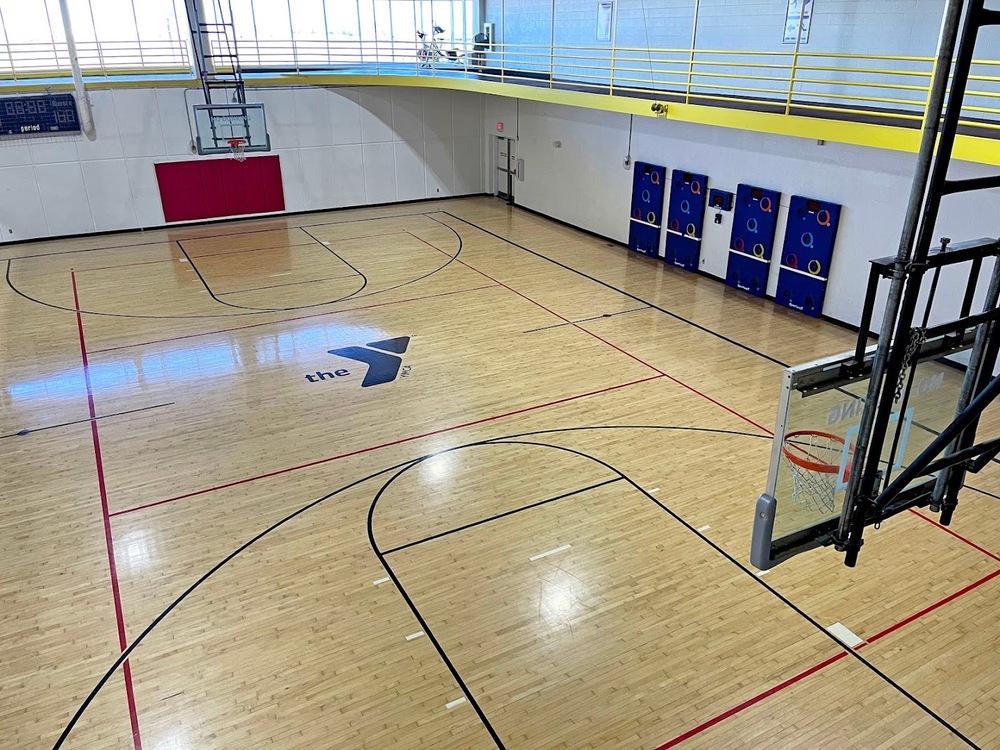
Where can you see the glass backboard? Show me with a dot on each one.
(217, 125)
(819, 412)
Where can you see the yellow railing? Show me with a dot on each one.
(880, 88)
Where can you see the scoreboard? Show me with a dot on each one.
(35, 115)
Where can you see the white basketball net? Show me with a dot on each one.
(814, 461)
(238, 149)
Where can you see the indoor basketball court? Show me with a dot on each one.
(457, 468)
(503, 524)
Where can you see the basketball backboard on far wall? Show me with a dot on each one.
(217, 125)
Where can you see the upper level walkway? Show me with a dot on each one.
(868, 100)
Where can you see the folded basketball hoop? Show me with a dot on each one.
(238, 149)
(814, 458)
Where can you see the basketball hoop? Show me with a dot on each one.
(814, 458)
(237, 149)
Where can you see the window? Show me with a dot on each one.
(148, 35)
(111, 35)
(310, 33)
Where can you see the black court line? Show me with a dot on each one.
(24, 295)
(613, 288)
(248, 311)
(654, 306)
(138, 640)
(329, 248)
(399, 469)
(585, 320)
(451, 259)
(285, 216)
(89, 249)
(413, 607)
(781, 597)
(981, 492)
(289, 283)
(214, 296)
(224, 253)
(501, 515)
(180, 260)
(375, 218)
(168, 227)
(30, 431)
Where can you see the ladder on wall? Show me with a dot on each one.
(871, 497)
(216, 52)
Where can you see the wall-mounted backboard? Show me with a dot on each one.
(218, 125)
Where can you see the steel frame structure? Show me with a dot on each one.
(871, 496)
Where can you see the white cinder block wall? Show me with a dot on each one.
(583, 182)
(338, 147)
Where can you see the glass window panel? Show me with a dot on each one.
(32, 41)
(109, 34)
(404, 30)
(383, 30)
(154, 33)
(343, 34)
(366, 20)
(309, 32)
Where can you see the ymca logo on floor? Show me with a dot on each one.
(382, 358)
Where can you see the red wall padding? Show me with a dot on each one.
(220, 187)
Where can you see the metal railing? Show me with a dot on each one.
(884, 88)
(51, 59)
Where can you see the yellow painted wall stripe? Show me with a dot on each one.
(893, 138)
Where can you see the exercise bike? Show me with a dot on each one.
(432, 51)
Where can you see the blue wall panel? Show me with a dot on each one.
(646, 219)
(752, 240)
(747, 273)
(686, 219)
(810, 237)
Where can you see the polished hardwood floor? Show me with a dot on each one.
(442, 475)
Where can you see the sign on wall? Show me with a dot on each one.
(798, 16)
(605, 12)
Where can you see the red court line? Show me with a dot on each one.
(289, 320)
(954, 534)
(878, 636)
(108, 539)
(927, 610)
(823, 664)
(383, 445)
(752, 701)
(602, 340)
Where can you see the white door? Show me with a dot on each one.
(505, 164)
